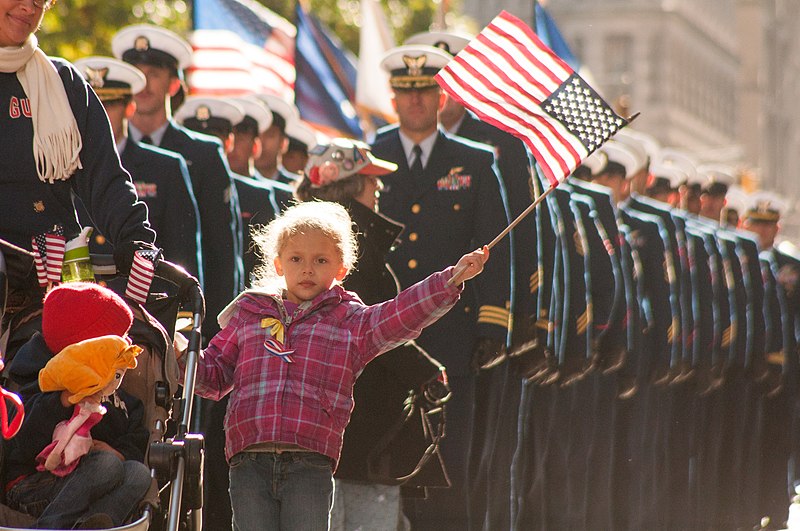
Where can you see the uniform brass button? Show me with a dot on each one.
(415, 208)
(467, 309)
(100, 239)
(456, 207)
(413, 237)
(412, 264)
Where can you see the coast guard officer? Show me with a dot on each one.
(450, 199)
(161, 177)
(274, 141)
(247, 148)
(161, 55)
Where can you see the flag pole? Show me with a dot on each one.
(504, 232)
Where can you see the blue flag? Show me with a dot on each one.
(326, 77)
(547, 30)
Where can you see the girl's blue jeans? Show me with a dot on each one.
(282, 491)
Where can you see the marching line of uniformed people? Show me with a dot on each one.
(626, 361)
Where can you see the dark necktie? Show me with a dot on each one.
(416, 166)
(146, 140)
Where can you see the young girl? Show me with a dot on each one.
(291, 352)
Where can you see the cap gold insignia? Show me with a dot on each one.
(763, 206)
(203, 113)
(442, 45)
(96, 76)
(141, 44)
(415, 64)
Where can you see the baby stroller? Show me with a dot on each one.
(175, 456)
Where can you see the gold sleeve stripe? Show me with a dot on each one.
(494, 315)
(534, 282)
(583, 322)
(727, 336)
(776, 358)
(543, 324)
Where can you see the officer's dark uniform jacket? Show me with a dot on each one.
(258, 207)
(379, 444)
(162, 182)
(456, 206)
(284, 193)
(514, 168)
(29, 206)
(608, 290)
(219, 216)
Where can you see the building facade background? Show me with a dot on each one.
(717, 78)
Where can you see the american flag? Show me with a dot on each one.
(48, 255)
(240, 47)
(141, 275)
(512, 80)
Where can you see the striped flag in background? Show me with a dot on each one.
(510, 79)
(240, 47)
(141, 276)
(48, 255)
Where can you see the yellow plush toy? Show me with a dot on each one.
(86, 367)
(88, 371)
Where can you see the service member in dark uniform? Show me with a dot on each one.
(448, 196)
(762, 217)
(274, 140)
(302, 139)
(247, 148)
(161, 177)
(494, 448)
(161, 55)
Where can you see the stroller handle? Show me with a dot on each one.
(189, 290)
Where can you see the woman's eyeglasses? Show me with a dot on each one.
(43, 4)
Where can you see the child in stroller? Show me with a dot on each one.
(153, 381)
(108, 483)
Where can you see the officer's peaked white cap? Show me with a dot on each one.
(636, 147)
(203, 113)
(621, 154)
(450, 42)
(596, 162)
(648, 142)
(256, 110)
(672, 172)
(111, 78)
(412, 66)
(301, 133)
(684, 161)
(281, 109)
(765, 205)
(736, 199)
(148, 44)
(718, 177)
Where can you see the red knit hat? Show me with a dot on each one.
(76, 311)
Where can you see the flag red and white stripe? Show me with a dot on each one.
(240, 47)
(141, 275)
(48, 254)
(512, 80)
(223, 64)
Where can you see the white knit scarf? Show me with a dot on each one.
(56, 140)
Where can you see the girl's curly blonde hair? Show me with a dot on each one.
(329, 218)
